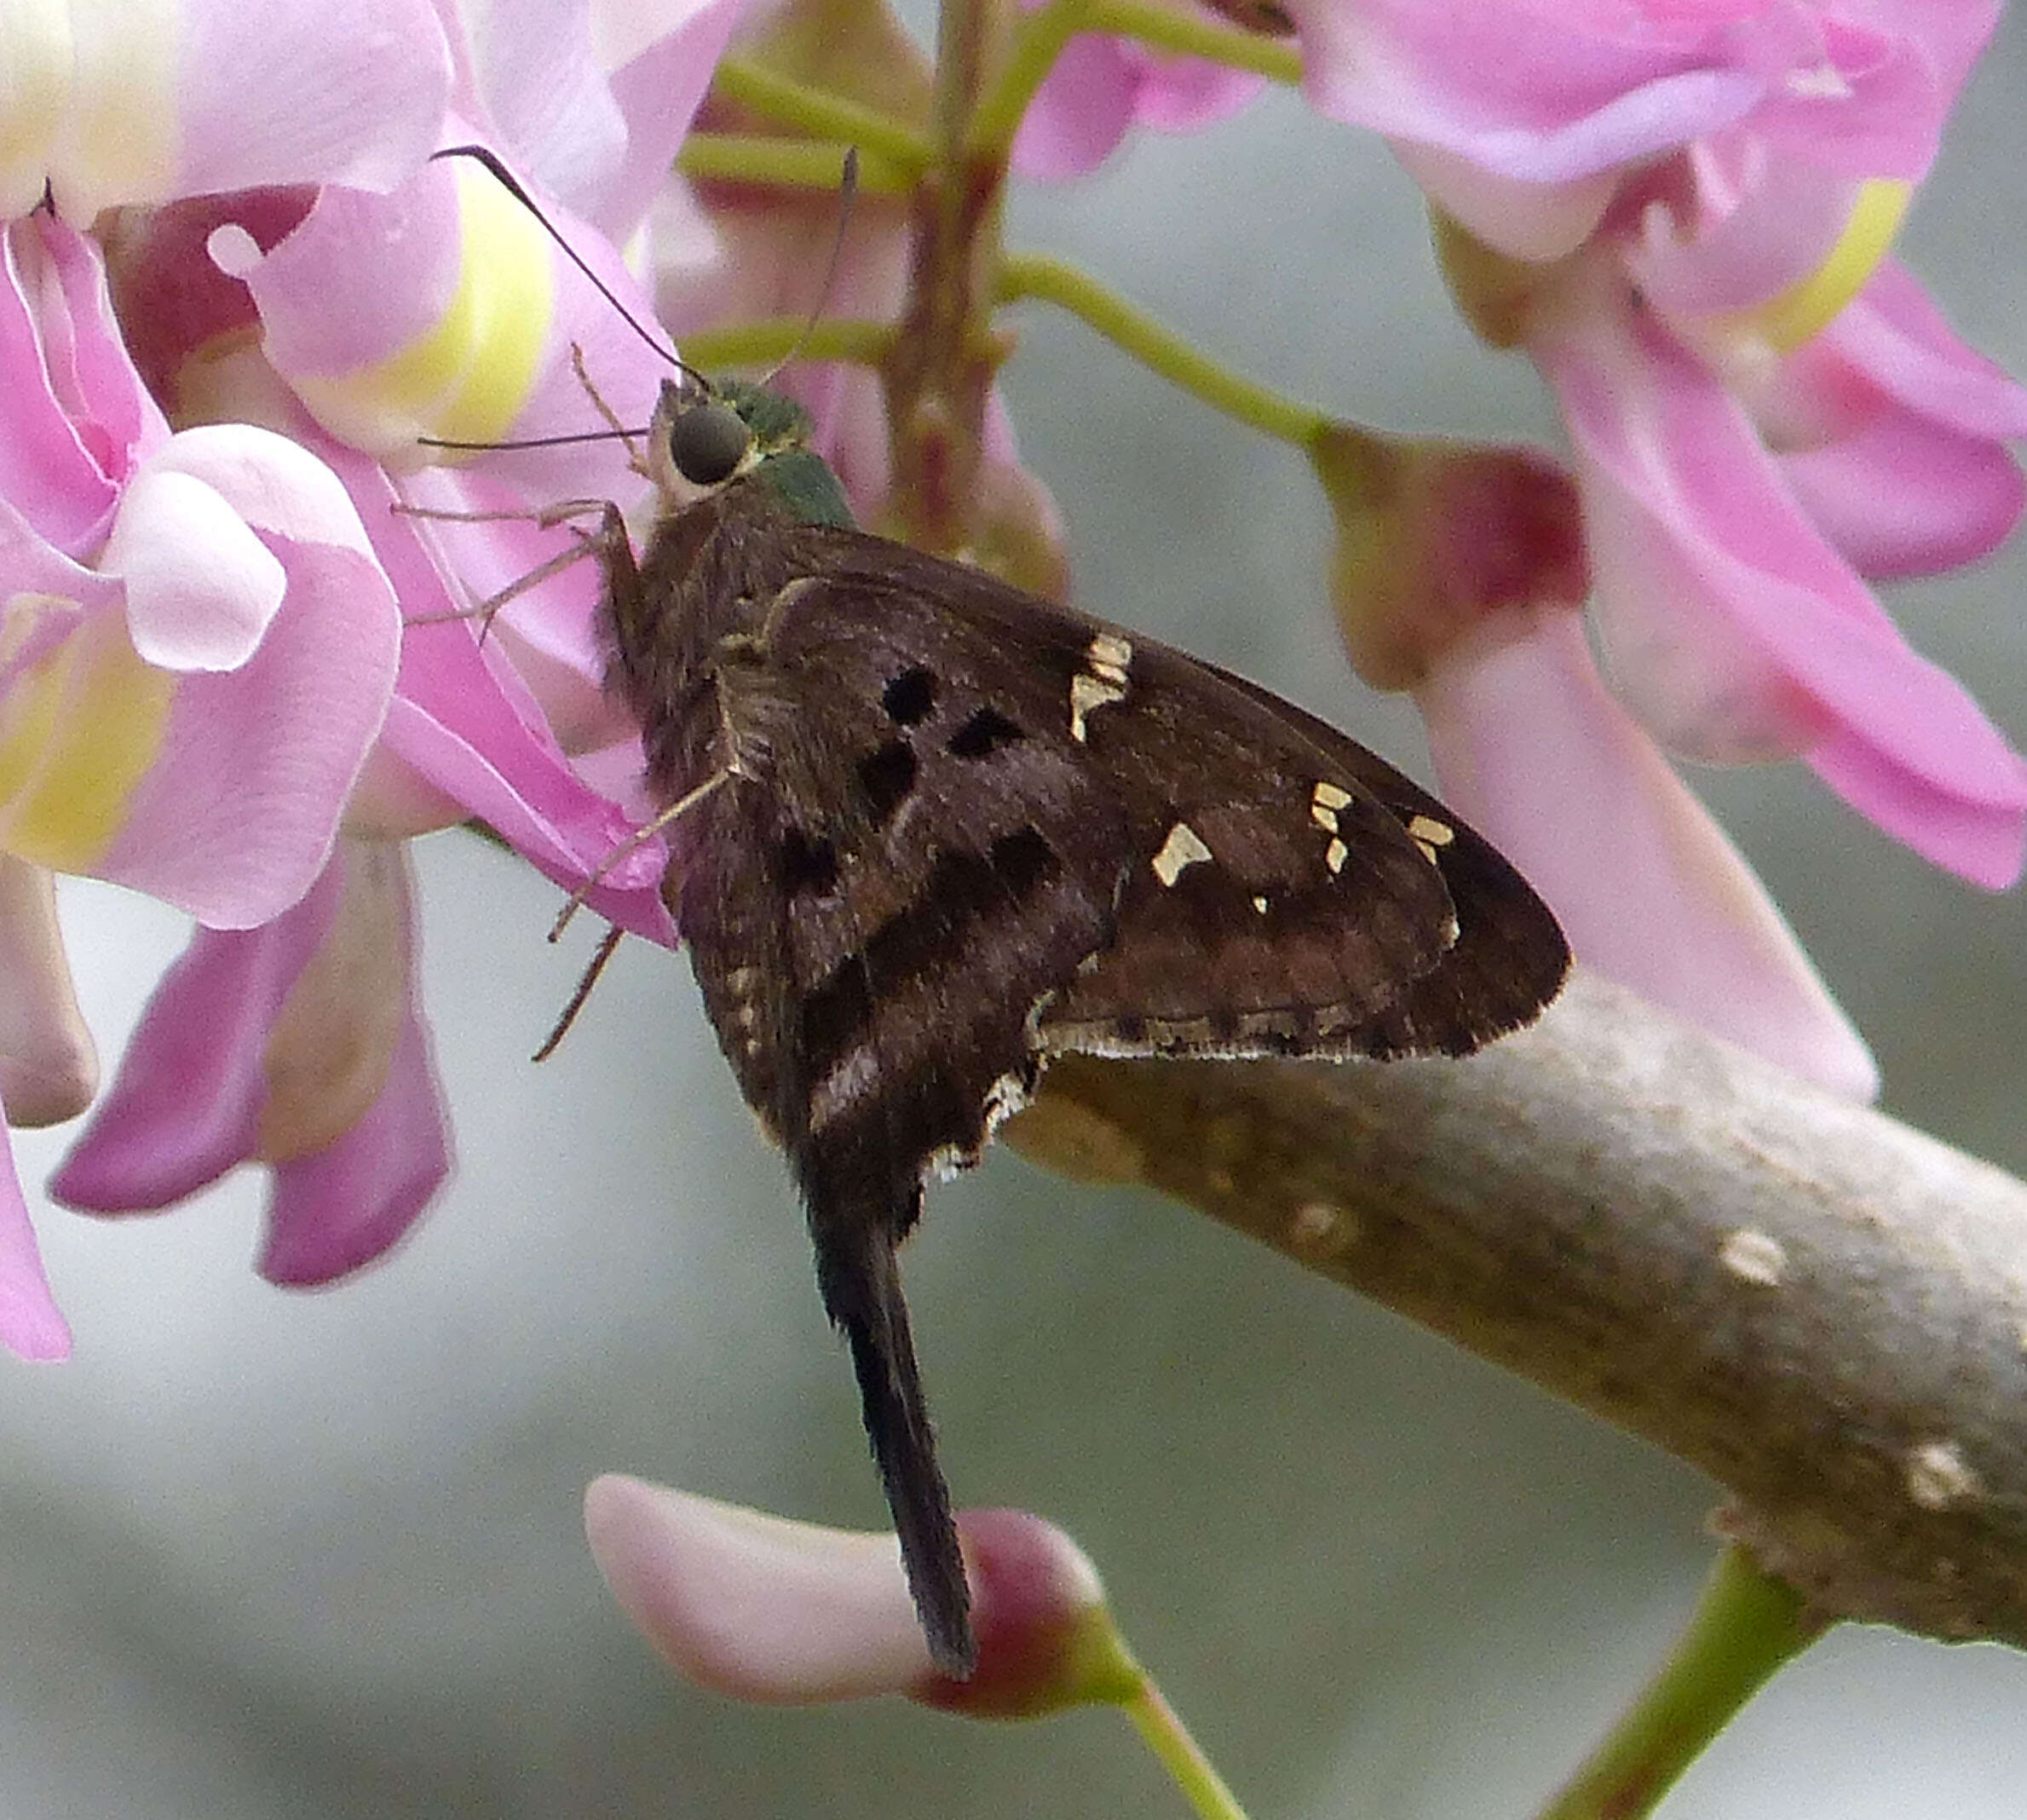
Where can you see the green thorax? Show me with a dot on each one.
(799, 479)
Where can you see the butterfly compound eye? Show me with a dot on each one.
(707, 442)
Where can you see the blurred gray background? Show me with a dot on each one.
(265, 1554)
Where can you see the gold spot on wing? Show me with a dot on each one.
(1334, 856)
(1088, 694)
(1183, 848)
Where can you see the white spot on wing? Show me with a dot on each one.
(1260, 904)
(1183, 848)
(1939, 1476)
(1335, 855)
(1757, 1258)
(842, 1085)
(1088, 694)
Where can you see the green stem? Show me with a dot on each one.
(778, 337)
(1747, 1624)
(1038, 275)
(787, 163)
(1191, 35)
(1166, 1736)
(815, 113)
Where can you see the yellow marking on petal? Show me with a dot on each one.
(1811, 303)
(77, 733)
(469, 378)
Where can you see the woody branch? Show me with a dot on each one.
(1821, 1308)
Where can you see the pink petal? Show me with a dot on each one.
(755, 1606)
(661, 75)
(1535, 754)
(185, 1104)
(361, 105)
(214, 1077)
(339, 1208)
(1102, 87)
(341, 1200)
(1786, 221)
(201, 587)
(73, 414)
(1893, 335)
(1735, 630)
(1543, 94)
(364, 278)
(30, 1324)
(236, 817)
(49, 1068)
(1905, 496)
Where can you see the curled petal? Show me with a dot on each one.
(297, 1044)
(1543, 95)
(74, 415)
(445, 310)
(1646, 885)
(200, 586)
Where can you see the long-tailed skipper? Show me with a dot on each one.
(938, 829)
(927, 830)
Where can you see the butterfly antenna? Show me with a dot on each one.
(848, 191)
(482, 155)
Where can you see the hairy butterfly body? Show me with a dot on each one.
(938, 829)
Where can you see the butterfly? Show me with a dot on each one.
(927, 830)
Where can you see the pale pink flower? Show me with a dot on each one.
(766, 1609)
(224, 598)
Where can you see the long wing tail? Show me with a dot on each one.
(860, 1279)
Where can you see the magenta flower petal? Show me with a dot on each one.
(30, 1324)
(1543, 93)
(185, 1104)
(1735, 630)
(444, 309)
(236, 817)
(1648, 888)
(341, 1197)
(1549, 92)
(1101, 87)
(1893, 334)
(297, 1044)
(1906, 496)
(340, 1207)
(73, 414)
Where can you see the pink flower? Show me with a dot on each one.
(1676, 212)
(784, 1613)
(201, 649)
(207, 669)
